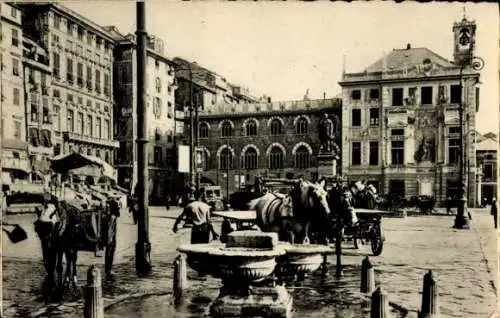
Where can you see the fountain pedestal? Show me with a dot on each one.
(246, 265)
(260, 301)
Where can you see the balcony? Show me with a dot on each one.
(70, 136)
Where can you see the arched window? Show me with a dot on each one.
(227, 129)
(302, 158)
(276, 127)
(226, 159)
(203, 130)
(251, 128)
(250, 159)
(276, 158)
(301, 127)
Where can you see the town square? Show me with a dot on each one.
(249, 159)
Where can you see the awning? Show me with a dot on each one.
(65, 162)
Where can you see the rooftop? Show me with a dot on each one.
(277, 106)
(410, 57)
(487, 144)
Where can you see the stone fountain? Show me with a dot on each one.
(249, 265)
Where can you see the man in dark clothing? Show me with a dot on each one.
(494, 211)
(133, 204)
(198, 213)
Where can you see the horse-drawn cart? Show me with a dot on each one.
(78, 217)
(367, 229)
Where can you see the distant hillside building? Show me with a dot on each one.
(401, 122)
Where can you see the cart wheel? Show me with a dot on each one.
(377, 240)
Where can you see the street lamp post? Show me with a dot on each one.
(461, 221)
(194, 176)
(143, 246)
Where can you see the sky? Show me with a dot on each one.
(283, 49)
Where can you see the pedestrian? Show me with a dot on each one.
(134, 204)
(167, 201)
(448, 205)
(198, 213)
(494, 211)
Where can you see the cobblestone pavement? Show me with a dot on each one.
(465, 263)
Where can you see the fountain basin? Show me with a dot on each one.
(302, 259)
(239, 263)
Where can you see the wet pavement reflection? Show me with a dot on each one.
(464, 263)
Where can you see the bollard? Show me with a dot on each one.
(93, 303)
(367, 276)
(430, 307)
(380, 304)
(180, 277)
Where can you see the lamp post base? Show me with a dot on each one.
(143, 258)
(462, 220)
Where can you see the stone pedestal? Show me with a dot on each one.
(327, 164)
(257, 302)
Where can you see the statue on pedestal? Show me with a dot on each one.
(326, 135)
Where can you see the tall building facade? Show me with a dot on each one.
(278, 139)
(487, 162)
(38, 107)
(14, 154)
(160, 115)
(401, 121)
(81, 60)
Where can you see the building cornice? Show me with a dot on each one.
(267, 113)
(381, 80)
(74, 17)
(12, 22)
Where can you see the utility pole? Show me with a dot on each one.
(197, 137)
(143, 246)
(227, 168)
(461, 221)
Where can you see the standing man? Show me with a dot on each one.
(198, 212)
(494, 211)
(133, 204)
(114, 213)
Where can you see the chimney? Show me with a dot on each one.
(408, 46)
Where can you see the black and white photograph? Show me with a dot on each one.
(281, 159)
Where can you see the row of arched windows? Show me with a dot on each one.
(250, 158)
(251, 128)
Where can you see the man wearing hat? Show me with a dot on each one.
(197, 212)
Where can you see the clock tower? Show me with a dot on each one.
(464, 41)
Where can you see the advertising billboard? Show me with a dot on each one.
(183, 158)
